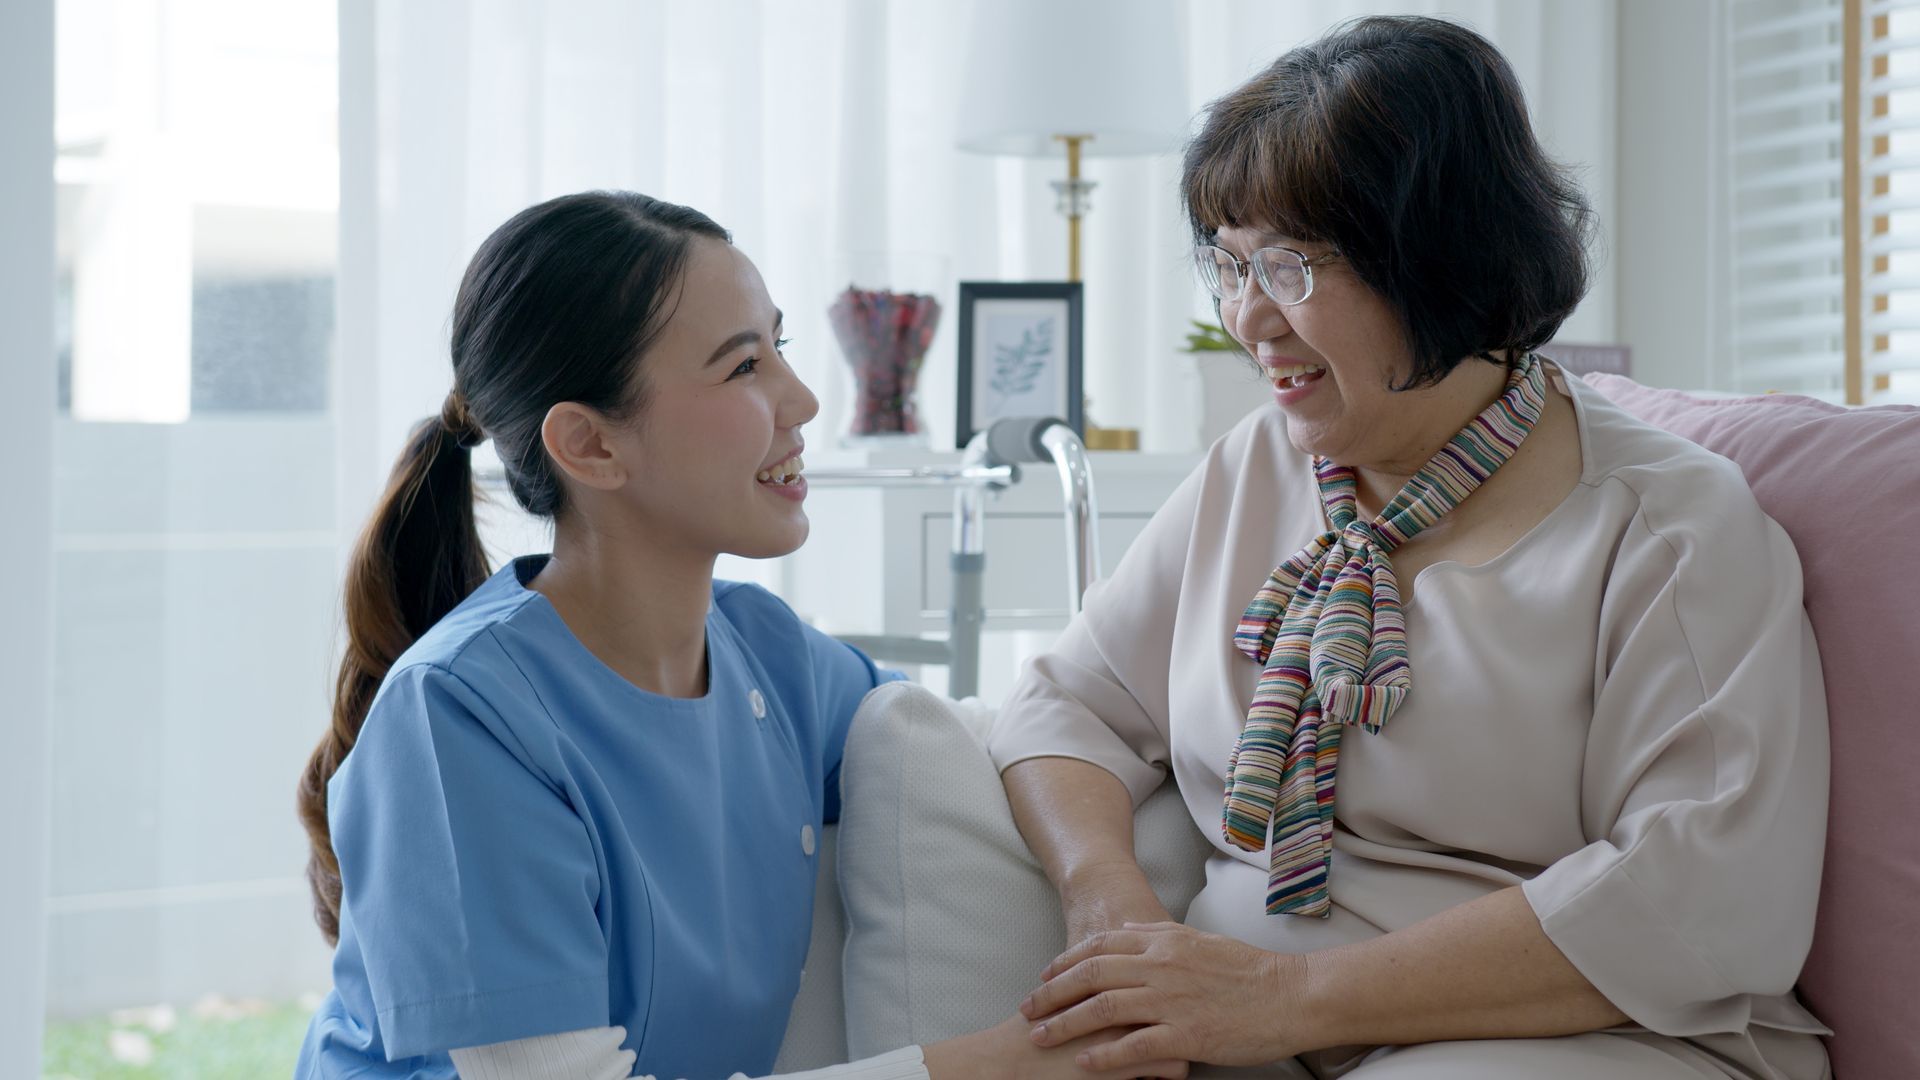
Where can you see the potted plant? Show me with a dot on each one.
(1231, 385)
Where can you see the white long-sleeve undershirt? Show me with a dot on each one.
(596, 1054)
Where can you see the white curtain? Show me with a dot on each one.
(816, 130)
(26, 444)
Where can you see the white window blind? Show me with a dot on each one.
(1808, 199)
(1891, 361)
(1786, 282)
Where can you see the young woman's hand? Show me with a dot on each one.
(1007, 1051)
(1179, 993)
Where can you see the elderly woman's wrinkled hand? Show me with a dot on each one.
(1188, 994)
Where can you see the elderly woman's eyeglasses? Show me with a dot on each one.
(1284, 274)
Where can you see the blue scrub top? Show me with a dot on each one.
(531, 844)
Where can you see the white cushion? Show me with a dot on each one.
(949, 919)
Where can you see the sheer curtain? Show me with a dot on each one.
(26, 444)
(815, 130)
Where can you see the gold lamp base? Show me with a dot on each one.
(1112, 438)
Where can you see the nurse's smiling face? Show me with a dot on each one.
(709, 466)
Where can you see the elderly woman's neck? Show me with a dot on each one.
(1435, 414)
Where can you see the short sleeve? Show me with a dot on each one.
(842, 678)
(1100, 695)
(470, 882)
(1705, 781)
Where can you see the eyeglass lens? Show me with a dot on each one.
(1280, 271)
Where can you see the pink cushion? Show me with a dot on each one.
(1845, 484)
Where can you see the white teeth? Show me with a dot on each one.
(783, 473)
(1292, 371)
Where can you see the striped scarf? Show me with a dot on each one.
(1333, 610)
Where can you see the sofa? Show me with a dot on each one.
(932, 919)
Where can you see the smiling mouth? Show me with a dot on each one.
(783, 474)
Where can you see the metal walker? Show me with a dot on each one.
(991, 463)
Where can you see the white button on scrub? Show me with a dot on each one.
(806, 839)
(759, 704)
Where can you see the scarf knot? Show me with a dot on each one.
(1330, 635)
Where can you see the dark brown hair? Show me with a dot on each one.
(557, 305)
(1403, 142)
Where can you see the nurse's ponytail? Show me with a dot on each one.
(558, 305)
(418, 558)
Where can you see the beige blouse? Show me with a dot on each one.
(1623, 712)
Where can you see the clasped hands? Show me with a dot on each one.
(1180, 994)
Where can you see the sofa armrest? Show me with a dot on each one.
(949, 918)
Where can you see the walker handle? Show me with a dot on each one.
(1017, 439)
(1047, 438)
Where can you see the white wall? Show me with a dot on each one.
(26, 420)
(1664, 230)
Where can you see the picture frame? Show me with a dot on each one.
(1020, 354)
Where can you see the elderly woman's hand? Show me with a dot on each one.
(1190, 995)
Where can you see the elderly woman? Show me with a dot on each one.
(1499, 705)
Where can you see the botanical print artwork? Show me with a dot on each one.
(1022, 364)
(1021, 351)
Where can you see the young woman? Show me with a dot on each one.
(564, 821)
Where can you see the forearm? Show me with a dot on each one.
(1484, 969)
(1075, 816)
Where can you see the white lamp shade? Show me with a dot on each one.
(1112, 69)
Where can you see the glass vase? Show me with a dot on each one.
(884, 321)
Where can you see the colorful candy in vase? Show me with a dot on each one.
(884, 336)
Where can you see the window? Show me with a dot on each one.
(198, 186)
(1823, 199)
(194, 538)
(1891, 366)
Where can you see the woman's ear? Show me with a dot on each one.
(577, 438)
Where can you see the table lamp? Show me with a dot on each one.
(1085, 77)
